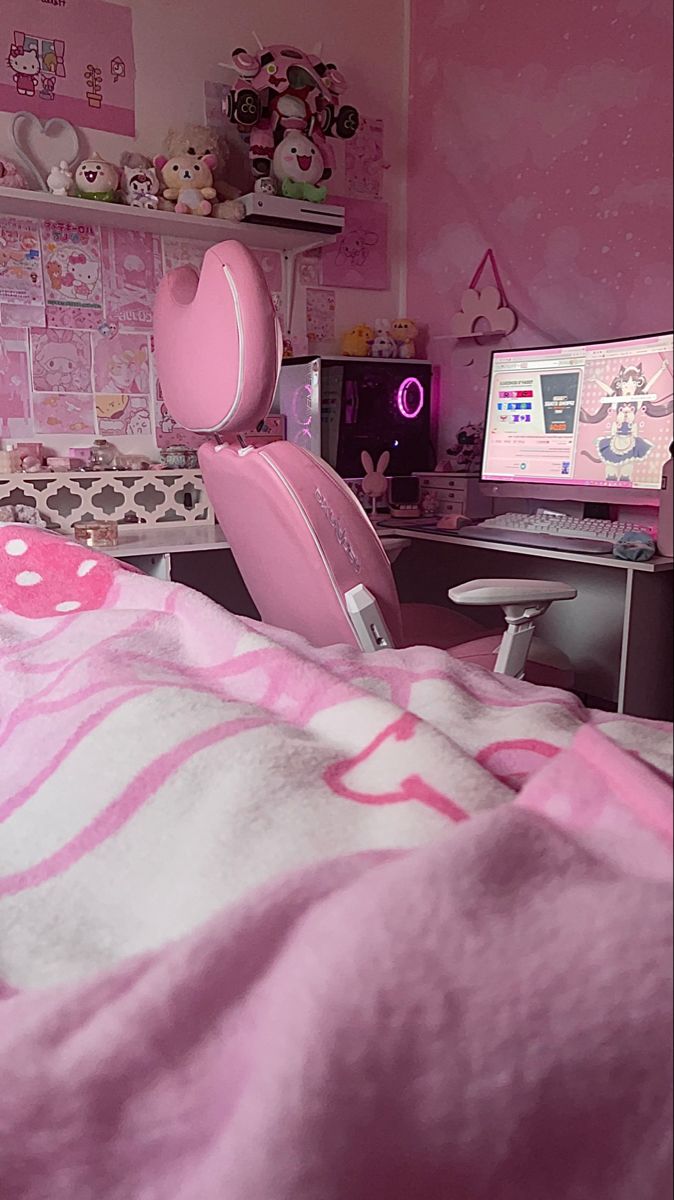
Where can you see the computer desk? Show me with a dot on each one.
(617, 633)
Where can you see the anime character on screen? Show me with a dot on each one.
(630, 393)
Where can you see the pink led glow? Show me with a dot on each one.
(403, 397)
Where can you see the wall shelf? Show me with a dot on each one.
(42, 206)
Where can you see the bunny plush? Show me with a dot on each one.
(383, 345)
(375, 483)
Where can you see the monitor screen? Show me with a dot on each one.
(593, 416)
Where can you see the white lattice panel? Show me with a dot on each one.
(152, 497)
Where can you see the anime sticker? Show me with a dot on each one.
(132, 270)
(72, 275)
(71, 57)
(60, 360)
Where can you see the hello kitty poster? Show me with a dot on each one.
(60, 360)
(72, 275)
(132, 270)
(71, 58)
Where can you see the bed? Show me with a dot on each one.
(237, 874)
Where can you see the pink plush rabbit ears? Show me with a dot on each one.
(218, 342)
(368, 464)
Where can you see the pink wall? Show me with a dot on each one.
(544, 131)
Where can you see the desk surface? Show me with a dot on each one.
(138, 540)
(600, 560)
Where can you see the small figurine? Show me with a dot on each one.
(464, 456)
(383, 345)
(356, 342)
(60, 179)
(189, 182)
(10, 175)
(375, 483)
(96, 179)
(266, 185)
(140, 187)
(298, 165)
(404, 331)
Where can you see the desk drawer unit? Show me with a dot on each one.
(442, 493)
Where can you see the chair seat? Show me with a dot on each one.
(464, 639)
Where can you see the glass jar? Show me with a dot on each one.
(174, 457)
(102, 455)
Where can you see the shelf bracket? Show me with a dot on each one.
(289, 280)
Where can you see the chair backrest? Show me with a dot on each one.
(300, 538)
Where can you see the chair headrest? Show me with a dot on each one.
(218, 343)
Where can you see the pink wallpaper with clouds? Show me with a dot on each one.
(544, 132)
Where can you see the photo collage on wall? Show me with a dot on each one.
(76, 352)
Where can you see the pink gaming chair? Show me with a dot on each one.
(305, 548)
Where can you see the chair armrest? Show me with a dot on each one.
(511, 591)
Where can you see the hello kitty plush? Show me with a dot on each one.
(375, 483)
(383, 345)
(298, 165)
(189, 182)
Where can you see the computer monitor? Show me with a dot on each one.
(587, 422)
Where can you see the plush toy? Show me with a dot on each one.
(383, 345)
(403, 332)
(189, 182)
(60, 179)
(140, 187)
(464, 456)
(265, 185)
(96, 179)
(10, 175)
(298, 166)
(280, 88)
(357, 341)
(199, 141)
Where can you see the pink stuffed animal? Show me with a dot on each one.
(10, 175)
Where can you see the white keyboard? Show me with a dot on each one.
(553, 531)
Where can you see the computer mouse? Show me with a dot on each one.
(453, 521)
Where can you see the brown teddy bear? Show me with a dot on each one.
(188, 181)
(198, 141)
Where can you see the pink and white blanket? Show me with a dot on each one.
(161, 757)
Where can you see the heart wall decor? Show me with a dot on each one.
(40, 145)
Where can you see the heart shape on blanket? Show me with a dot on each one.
(381, 774)
(516, 761)
(39, 145)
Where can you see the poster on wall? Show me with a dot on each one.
(358, 258)
(364, 160)
(71, 58)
